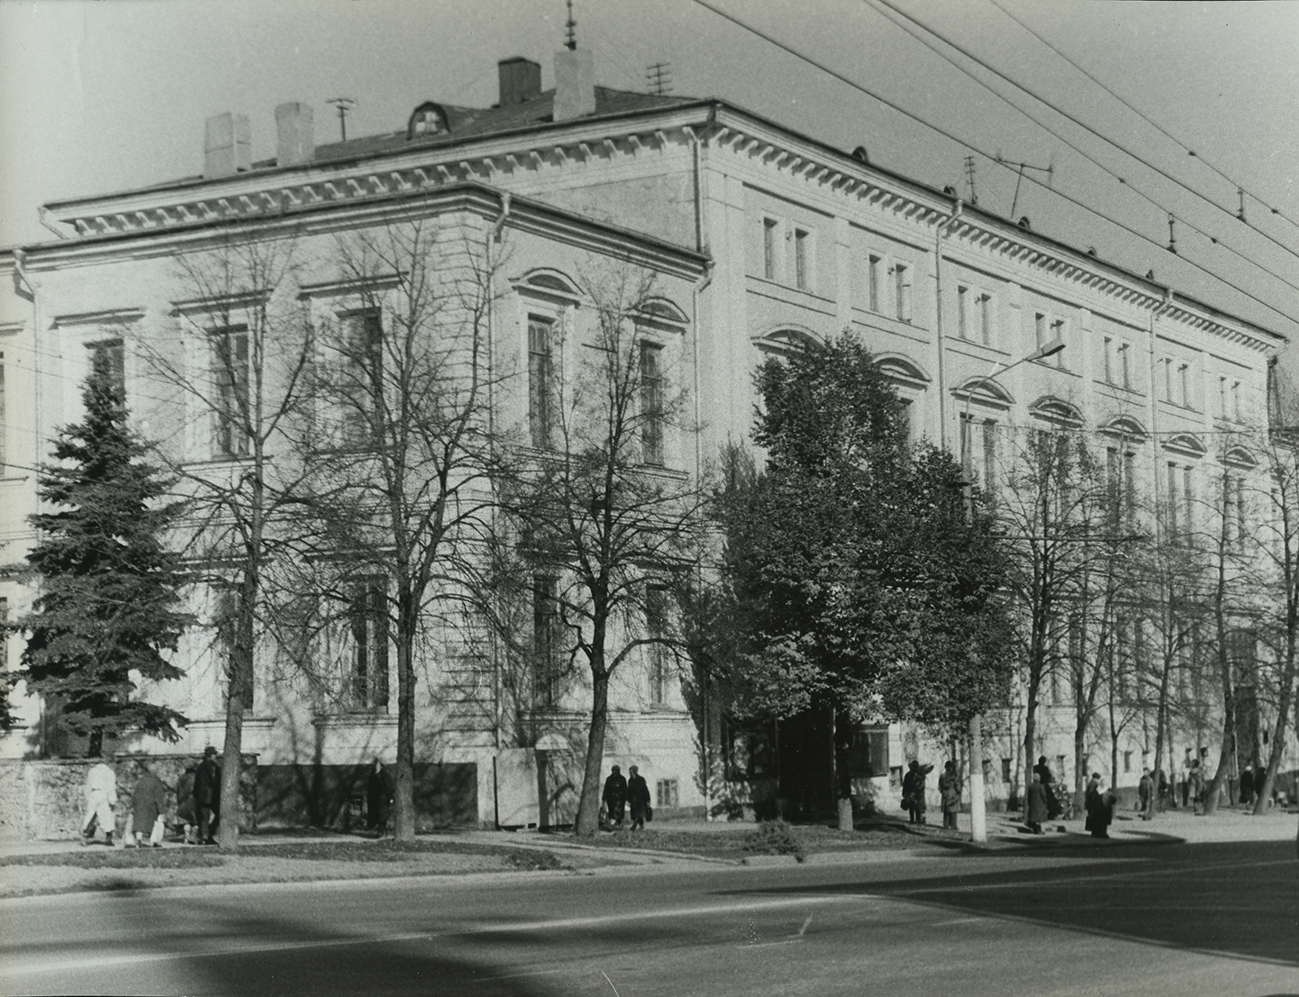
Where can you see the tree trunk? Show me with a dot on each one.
(843, 727)
(1214, 791)
(403, 801)
(588, 807)
(238, 694)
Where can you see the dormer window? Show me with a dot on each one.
(428, 119)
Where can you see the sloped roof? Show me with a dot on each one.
(468, 122)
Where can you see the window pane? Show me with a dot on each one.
(651, 403)
(230, 376)
(540, 380)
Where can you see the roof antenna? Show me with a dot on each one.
(659, 78)
(344, 104)
(571, 28)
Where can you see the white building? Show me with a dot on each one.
(762, 237)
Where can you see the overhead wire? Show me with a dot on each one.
(970, 145)
(1216, 240)
(1159, 128)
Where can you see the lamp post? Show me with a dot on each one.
(978, 808)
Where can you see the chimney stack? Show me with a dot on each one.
(295, 141)
(520, 80)
(227, 149)
(574, 84)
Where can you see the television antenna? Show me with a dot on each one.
(1049, 170)
(344, 104)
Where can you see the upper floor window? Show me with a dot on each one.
(363, 377)
(651, 403)
(902, 291)
(979, 452)
(229, 365)
(547, 670)
(1121, 470)
(770, 247)
(874, 282)
(656, 602)
(802, 259)
(367, 614)
(1181, 500)
(110, 356)
(541, 379)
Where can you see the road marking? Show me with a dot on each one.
(108, 962)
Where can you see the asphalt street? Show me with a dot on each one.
(1133, 919)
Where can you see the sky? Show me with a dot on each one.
(106, 96)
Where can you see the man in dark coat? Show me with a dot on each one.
(207, 796)
(638, 798)
(1036, 807)
(614, 797)
(1100, 808)
(378, 799)
(1043, 771)
(148, 810)
(913, 791)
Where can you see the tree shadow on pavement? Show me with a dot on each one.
(1239, 898)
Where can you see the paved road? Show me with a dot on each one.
(1142, 919)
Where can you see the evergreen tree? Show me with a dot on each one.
(108, 602)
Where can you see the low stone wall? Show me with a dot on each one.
(44, 799)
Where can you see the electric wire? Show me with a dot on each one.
(970, 145)
(1216, 240)
(1159, 128)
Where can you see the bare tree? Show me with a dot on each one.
(238, 366)
(400, 458)
(608, 526)
(1275, 544)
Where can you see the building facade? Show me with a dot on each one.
(761, 238)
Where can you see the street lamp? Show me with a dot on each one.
(978, 808)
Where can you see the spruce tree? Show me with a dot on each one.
(108, 603)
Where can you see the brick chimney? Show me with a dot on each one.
(520, 80)
(228, 146)
(574, 84)
(295, 139)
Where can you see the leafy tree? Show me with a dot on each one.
(863, 580)
(109, 586)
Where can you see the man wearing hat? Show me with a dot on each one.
(207, 796)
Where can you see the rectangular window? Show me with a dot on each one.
(111, 354)
(1222, 397)
(902, 291)
(1168, 379)
(541, 387)
(651, 404)
(802, 263)
(363, 377)
(979, 453)
(4, 634)
(1109, 360)
(1005, 769)
(230, 431)
(545, 640)
(1057, 333)
(770, 228)
(1188, 499)
(874, 288)
(666, 793)
(1127, 761)
(1039, 329)
(903, 411)
(656, 604)
(1235, 400)
(1184, 385)
(1125, 369)
(368, 621)
(963, 312)
(985, 319)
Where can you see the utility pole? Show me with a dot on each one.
(344, 104)
(1049, 170)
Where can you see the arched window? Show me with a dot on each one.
(427, 119)
(785, 340)
(911, 382)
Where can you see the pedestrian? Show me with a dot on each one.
(1247, 785)
(378, 799)
(1161, 780)
(148, 810)
(1146, 795)
(186, 815)
(1036, 806)
(913, 791)
(614, 797)
(207, 796)
(638, 798)
(1053, 808)
(1195, 787)
(1100, 807)
(949, 788)
(101, 796)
